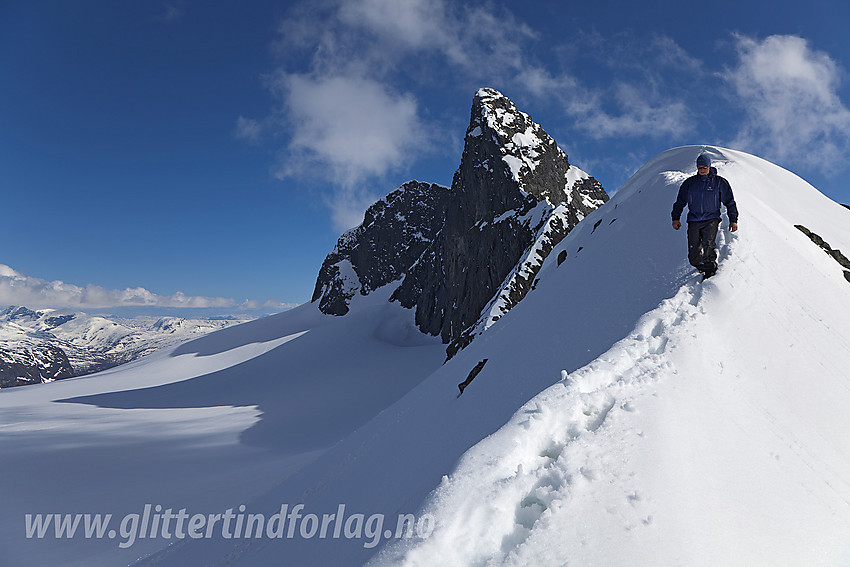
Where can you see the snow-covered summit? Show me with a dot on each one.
(712, 432)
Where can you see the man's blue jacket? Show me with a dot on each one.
(703, 195)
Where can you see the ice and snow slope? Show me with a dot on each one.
(196, 427)
(715, 433)
(628, 413)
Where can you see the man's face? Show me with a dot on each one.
(702, 169)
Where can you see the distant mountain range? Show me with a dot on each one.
(52, 344)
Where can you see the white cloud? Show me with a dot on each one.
(542, 84)
(344, 118)
(347, 71)
(271, 305)
(640, 115)
(476, 39)
(6, 271)
(355, 126)
(248, 129)
(790, 94)
(418, 24)
(348, 205)
(646, 83)
(347, 129)
(18, 289)
(275, 305)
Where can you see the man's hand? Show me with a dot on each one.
(677, 225)
(733, 226)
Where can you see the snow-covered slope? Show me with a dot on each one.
(714, 433)
(214, 421)
(679, 422)
(628, 414)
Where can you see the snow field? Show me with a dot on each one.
(207, 426)
(68, 457)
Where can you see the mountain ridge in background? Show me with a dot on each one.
(45, 345)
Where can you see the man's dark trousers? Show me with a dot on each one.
(701, 245)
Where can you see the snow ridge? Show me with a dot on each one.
(529, 477)
(703, 437)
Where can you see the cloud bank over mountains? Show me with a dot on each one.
(20, 289)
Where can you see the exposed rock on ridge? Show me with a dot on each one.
(395, 232)
(513, 198)
(33, 364)
(512, 179)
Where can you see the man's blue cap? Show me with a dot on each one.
(704, 160)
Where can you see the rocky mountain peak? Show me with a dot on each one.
(33, 364)
(513, 197)
(502, 138)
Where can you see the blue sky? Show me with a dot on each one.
(207, 153)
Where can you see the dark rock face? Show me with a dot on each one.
(17, 313)
(395, 232)
(38, 363)
(513, 198)
(53, 322)
(514, 188)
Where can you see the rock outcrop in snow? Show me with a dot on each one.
(478, 245)
(395, 232)
(33, 363)
(836, 255)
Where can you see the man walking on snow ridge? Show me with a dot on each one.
(703, 193)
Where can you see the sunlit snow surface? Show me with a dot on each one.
(715, 433)
(628, 414)
(206, 426)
